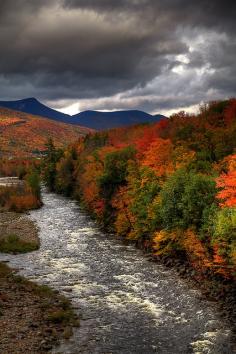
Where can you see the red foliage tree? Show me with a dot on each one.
(227, 183)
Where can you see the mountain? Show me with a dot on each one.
(25, 135)
(33, 106)
(91, 119)
(106, 120)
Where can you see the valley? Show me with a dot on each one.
(117, 177)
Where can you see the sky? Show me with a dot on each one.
(160, 56)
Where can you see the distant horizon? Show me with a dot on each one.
(77, 112)
(67, 110)
(71, 111)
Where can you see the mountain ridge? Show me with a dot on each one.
(31, 105)
(91, 119)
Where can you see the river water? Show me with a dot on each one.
(126, 303)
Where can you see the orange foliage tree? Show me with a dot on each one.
(158, 157)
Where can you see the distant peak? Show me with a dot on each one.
(30, 99)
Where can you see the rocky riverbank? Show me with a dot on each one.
(33, 318)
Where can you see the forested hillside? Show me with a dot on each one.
(25, 135)
(169, 186)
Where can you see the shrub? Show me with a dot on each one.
(12, 244)
(19, 198)
(21, 203)
(167, 243)
(61, 316)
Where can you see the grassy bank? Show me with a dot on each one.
(13, 244)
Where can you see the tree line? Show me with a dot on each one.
(169, 186)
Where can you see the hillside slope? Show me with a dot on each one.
(22, 134)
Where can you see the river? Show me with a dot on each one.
(126, 303)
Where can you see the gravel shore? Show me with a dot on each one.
(32, 318)
(20, 225)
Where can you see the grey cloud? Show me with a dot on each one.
(195, 13)
(62, 50)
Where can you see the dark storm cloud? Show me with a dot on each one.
(81, 47)
(144, 51)
(214, 14)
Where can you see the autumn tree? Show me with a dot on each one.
(65, 168)
(224, 237)
(114, 176)
(184, 198)
(115, 171)
(33, 180)
(158, 157)
(53, 155)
